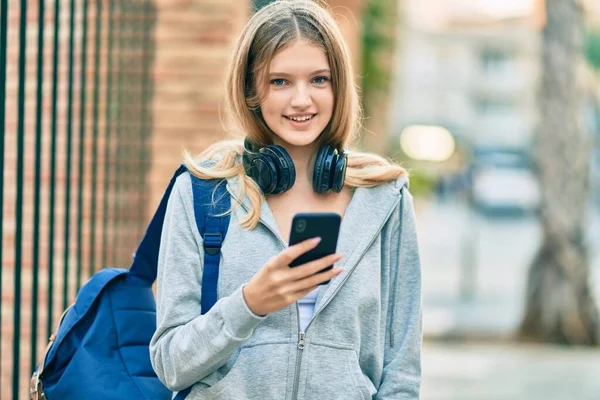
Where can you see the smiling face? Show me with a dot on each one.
(299, 101)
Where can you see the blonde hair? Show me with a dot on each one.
(270, 30)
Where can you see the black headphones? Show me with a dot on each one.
(273, 170)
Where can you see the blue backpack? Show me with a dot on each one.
(100, 350)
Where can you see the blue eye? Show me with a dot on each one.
(278, 82)
(321, 79)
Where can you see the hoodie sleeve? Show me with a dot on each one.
(187, 346)
(402, 355)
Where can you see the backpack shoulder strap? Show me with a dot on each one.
(211, 205)
(145, 259)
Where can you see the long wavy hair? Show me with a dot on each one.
(270, 30)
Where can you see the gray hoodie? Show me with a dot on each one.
(364, 339)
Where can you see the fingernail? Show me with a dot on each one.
(340, 270)
(316, 240)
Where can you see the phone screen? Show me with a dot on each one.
(309, 225)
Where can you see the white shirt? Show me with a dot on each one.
(306, 307)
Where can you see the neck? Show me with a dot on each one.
(303, 157)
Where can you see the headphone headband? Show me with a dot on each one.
(273, 169)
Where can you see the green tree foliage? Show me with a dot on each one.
(258, 4)
(375, 41)
(592, 48)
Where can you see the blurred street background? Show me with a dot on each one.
(493, 106)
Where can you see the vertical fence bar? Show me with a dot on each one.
(19, 199)
(117, 203)
(93, 204)
(123, 131)
(68, 155)
(53, 147)
(144, 100)
(3, 45)
(139, 100)
(82, 126)
(38, 169)
(128, 126)
(129, 123)
(108, 129)
(139, 108)
(136, 109)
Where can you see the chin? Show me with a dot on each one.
(298, 139)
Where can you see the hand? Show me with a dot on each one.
(276, 285)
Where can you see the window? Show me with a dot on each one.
(495, 107)
(495, 61)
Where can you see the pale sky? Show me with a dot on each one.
(432, 13)
(435, 13)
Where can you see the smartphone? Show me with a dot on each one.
(309, 225)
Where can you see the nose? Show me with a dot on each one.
(301, 97)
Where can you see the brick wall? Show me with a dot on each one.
(193, 42)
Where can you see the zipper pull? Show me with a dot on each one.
(301, 340)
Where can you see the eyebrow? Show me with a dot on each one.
(320, 71)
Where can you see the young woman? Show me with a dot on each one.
(275, 332)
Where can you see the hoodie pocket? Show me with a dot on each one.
(333, 372)
(259, 372)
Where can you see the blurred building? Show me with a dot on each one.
(592, 10)
(473, 67)
(469, 68)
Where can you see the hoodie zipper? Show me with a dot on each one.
(300, 345)
(302, 334)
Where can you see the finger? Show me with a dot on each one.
(316, 279)
(312, 267)
(300, 294)
(288, 255)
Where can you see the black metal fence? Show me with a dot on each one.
(75, 119)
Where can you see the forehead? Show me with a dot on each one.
(299, 58)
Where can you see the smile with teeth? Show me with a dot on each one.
(302, 118)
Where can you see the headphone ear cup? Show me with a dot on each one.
(259, 167)
(339, 174)
(318, 169)
(322, 175)
(264, 173)
(283, 164)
